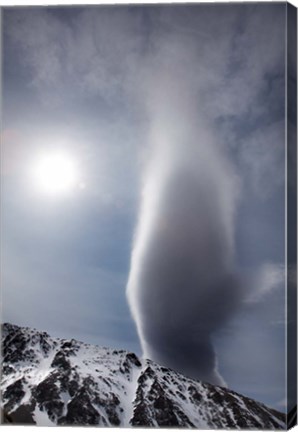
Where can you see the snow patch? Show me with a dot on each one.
(41, 418)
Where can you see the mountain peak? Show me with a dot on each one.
(52, 381)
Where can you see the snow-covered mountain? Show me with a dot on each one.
(51, 381)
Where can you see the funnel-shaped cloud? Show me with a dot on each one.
(182, 284)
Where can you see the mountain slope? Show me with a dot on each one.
(51, 381)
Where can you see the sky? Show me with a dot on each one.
(171, 243)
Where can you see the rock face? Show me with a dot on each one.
(50, 381)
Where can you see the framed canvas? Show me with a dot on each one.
(149, 215)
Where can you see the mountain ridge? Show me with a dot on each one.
(53, 381)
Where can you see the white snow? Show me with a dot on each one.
(128, 400)
(113, 376)
(41, 418)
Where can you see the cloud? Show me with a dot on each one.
(263, 155)
(261, 282)
(182, 265)
(272, 276)
(184, 284)
(182, 268)
(91, 52)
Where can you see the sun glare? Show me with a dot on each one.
(55, 173)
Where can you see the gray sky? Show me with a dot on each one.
(187, 101)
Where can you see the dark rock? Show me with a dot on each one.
(133, 359)
(73, 387)
(110, 405)
(70, 396)
(194, 394)
(60, 361)
(8, 369)
(13, 395)
(22, 415)
(70, 347)
(5, 417)
(181, 395)
(44, 344)
(47, 395)
(81, 412)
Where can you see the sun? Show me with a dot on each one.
(55, 173)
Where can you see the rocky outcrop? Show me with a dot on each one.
(50, 381)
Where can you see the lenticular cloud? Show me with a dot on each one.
(182, 285)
